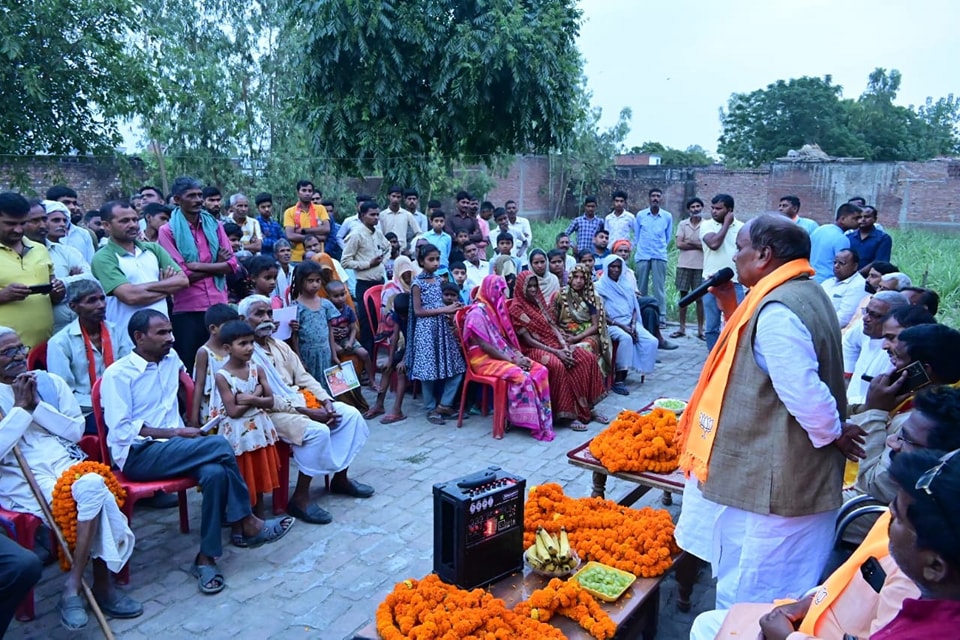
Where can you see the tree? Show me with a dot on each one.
(68, 73)
(391, 84)
(692, 156)
(942, 117)
(764, 124)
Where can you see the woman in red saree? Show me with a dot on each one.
(576, 383)
(493, 350)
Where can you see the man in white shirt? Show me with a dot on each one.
(252, 239)
(477, 269)
(620, 223)
(520, 228)
(846, 287)
(41, 416)
(562, 243)
(77, 237)
(411, 199)
(718, 233)
(351, 222)
(148, 441)
(397, 220)
(863, 352)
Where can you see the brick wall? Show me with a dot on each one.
(528, 182)
(95, 180)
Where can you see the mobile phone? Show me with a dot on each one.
(917, 377)
(873, 573)
(40, 288)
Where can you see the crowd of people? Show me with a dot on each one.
(822, 361)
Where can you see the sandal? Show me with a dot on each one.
(391, 418)
(435, 418)
(73, 613)
(678, 334)
(209, 578)
(576, 425)
(700, 336)
(620, 388)
(446, 412)
(373, 413)
(600, 418)
(273, 530)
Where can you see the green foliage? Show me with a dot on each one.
(67, 73)
(763, 125)
(391, 85)
(587, 156)
(692, 156)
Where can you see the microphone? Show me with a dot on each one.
(724, 275)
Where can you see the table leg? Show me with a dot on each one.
(686, 567)
(599, 484)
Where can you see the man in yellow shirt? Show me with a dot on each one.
(28, 289)
(304, 219)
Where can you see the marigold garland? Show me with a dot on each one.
(65, 507)
(310, 399)
(636, 540)
(638, 443)
(431, 609)
(568, 599)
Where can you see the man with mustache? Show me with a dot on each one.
(325, 439)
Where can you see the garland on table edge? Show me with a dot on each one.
(430, 608)
(638, 443)
(65, 507)
(636, 540)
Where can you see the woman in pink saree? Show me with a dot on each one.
(493, 350)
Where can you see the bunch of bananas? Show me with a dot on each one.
(551, 554)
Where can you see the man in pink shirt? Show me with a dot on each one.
(198, 244)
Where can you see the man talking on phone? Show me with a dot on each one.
(28, 290)
(927, 355)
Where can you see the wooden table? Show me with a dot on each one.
(581, 457)
(635, 613)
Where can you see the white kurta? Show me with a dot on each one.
(749, 551)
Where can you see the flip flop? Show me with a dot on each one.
(576, 425)
(120, 606)
(620, 388)
(273, 530)
(678, 334)
(373, 413)
(205, 575)
(391, 418)
(700, 336)
(435, 418)
(600, 418)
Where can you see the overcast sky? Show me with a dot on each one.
(675, 63)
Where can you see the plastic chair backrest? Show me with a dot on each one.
(37, 358)
(371, 302)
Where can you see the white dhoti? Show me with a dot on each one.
(697, 522)
(760, 558)
(707, 625)
(640, 356)
(321, 450)
(112, 538)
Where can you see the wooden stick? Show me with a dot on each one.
(64, 547)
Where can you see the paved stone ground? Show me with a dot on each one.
(326, 581)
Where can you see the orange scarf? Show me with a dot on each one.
(875, 545)
(106, 348)
(705, 404)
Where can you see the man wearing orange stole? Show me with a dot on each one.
(763, 443)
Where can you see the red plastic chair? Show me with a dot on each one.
(37, 358)
(22, 528)
(498, 385)
(137, 491)
(371, 302)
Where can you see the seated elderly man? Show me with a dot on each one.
(895, 418)
(845, 288)
(324, 439)
(896, 281)
(863, 352)
(148, 441)
(81, 351)
(41, 415)
(902, 582)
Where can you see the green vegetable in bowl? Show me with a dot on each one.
(608, 583)
(671, 404)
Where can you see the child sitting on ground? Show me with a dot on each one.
(395, 363)
(244, 395)
(344, 328)
(211, 357)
